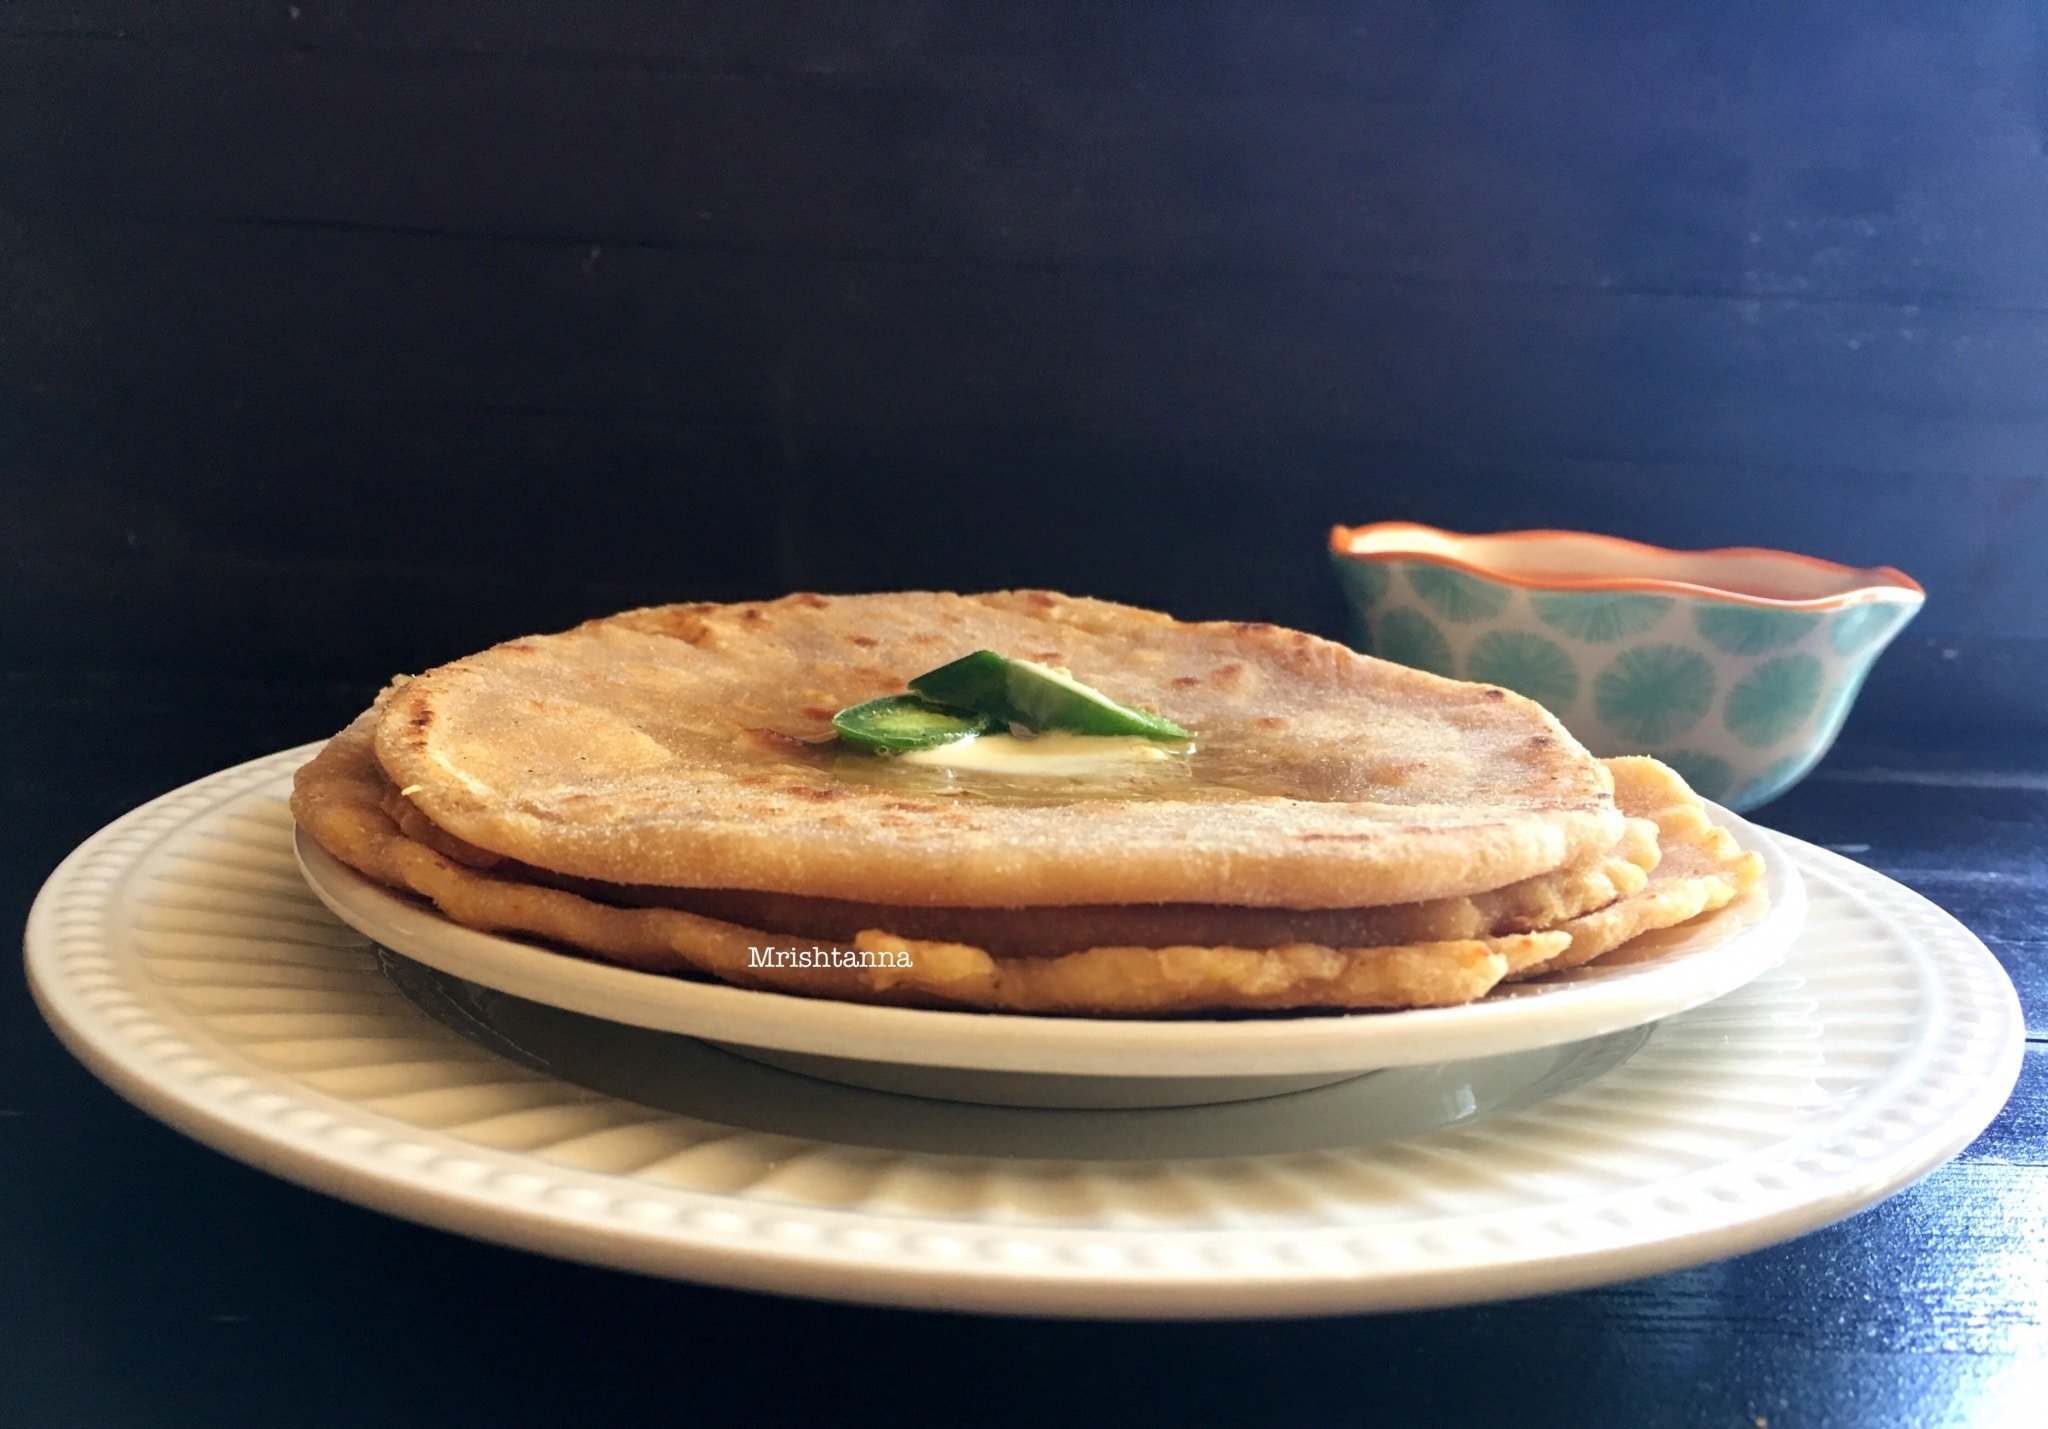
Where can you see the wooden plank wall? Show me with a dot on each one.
(338, 338)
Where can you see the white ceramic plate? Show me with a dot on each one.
(180, 955)
(1056, 1061)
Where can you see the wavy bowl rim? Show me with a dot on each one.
(1882, 584)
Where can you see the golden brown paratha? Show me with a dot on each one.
(1525, 906)
(339, 798)
(1701, 868)
(675, 747)
(1534, 903)
(342, 798)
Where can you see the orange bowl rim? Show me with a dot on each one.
(1883, 583)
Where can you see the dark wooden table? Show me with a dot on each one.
(150, 1282)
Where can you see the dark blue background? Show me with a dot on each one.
(339, 339)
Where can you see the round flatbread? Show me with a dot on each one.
(1052, 929)
(341, 799)
(1700, 868)
(687, 746)
(345, 801)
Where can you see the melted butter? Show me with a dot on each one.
(1047, 756)
(1221, 769)
(1047, 769)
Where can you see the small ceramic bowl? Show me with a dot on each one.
(1736, 667)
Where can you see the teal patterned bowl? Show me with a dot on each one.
(1736, 667)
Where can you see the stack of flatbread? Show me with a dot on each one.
(661, 789)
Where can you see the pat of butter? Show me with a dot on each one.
(1050, 756)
